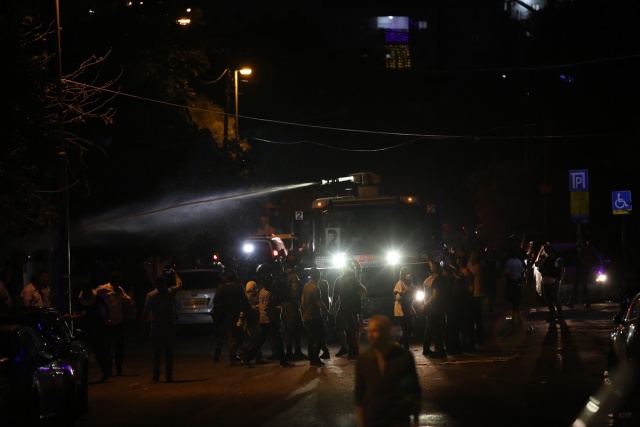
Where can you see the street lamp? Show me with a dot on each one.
(244, 72)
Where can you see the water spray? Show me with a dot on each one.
(131, 221)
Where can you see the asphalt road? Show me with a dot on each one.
(538, 374)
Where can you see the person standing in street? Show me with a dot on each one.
(90, 315)
(5, 295)
(328, 320)
(348, 292)
(160, 303)
(269, 319)
(514, 274)
(586, 259)
(387, 389)
(551, 268)
(435, 308)
(404, 293)
(37, 292)
(116, 299)
(312, 309)
(475, 267)
(229, 303)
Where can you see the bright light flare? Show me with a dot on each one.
(338, 260)
(601, 277)
(419, 296)
(393, 257)
(248, 248)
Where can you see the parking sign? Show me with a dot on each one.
(579, 180)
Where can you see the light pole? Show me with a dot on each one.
(244, 72)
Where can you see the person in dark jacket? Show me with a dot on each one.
(160, 303)
(230, 304)
(347, 303)
(91, 316)
(387, 389)
(551, 268)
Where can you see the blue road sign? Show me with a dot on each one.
(621, 202)
(579, 180)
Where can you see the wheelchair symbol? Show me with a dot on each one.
(620, 203)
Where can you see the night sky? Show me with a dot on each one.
(487, 94)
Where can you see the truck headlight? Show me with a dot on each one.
(338, 260)
(393, 257)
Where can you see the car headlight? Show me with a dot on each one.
(393, 257)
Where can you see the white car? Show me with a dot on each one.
(194, 301)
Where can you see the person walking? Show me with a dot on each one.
(160, 303)
(514, 274)
(551, 268)
(312, 309)
(387, 389)
(404, 294)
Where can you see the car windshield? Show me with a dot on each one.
(196, 280)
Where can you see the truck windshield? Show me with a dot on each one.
(371, 228)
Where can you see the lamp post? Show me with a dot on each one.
(244, 72)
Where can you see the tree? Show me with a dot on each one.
(29, 146)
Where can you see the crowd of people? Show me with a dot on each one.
(275, 306)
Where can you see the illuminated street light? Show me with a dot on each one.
(244, 72)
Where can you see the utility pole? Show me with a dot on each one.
(64, 259)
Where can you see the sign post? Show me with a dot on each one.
(579, 187)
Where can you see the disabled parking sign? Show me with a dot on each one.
(621, 202)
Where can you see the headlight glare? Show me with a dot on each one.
(393, 257)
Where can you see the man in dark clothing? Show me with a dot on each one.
(160, 303)
(312, 309)
(228, 304)
(347, 295)
(387, 389)
(91, 316)
(551, 268)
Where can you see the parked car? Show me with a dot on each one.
(36, 387)
(194, 301)
(68, 348)
(624, 354)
